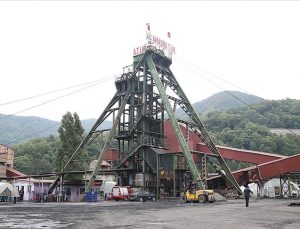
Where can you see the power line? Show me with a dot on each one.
(219, 78)
(47, 93)
(73, 92)
(35, 133)
(57, 98)
(197, 73)
(226, 91)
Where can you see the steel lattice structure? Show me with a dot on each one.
(146, 91)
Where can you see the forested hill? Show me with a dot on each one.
(270, 113)
(18, 129)
(249, 127)
(225, 100)
(241, 127)
(15, 129)
(222, 101)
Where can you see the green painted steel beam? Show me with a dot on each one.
(106, 144)
(210, 144)
(91, 132)
(84, 142)
(115, 124)
(179, 135)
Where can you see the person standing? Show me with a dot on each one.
(21, 193)
(247, 192)
(68, 194)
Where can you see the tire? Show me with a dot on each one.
(184, 199)
(213, 199)
(202, 199)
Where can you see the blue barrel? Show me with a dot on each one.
(91, 196)
(94, 196)
(87, 197)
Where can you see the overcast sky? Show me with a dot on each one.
(249, 46)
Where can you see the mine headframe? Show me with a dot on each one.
(145, 91)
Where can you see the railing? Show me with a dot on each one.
(123, 76)
(157, 142)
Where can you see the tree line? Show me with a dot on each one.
(249, 127)
(245, 128)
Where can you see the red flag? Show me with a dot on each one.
(169, 35)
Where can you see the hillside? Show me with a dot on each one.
(251, 129)
(283, 114)
(222, 101)
(88, 124)
(15, 129)
(240, 127)
(18, 129)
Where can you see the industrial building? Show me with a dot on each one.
(6, 159)
(156, 150)
(167, 156)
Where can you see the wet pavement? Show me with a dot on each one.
(262, 213)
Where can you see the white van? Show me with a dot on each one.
(107, 188)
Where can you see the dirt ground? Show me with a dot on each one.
(262, 213)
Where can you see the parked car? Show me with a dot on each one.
(142, 196)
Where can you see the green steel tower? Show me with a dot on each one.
(146, 91)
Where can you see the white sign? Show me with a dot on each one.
(158, 43)
(139, 50)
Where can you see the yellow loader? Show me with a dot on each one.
(200, 196)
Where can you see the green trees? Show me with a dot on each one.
(36, 156)
(46, 155)
(240, 128)
(245, 128)
(70, 135)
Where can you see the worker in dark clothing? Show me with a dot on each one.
(68, 194)
(247, 192)
(21, 193)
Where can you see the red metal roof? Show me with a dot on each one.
(195, 144)
(249, 156)
(280, 166)
(266, 170)
(10, 172)
(268, 165)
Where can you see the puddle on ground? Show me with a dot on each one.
(30, 221)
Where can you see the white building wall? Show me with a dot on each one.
(272, 188)
(28, 188)
(31, 188)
